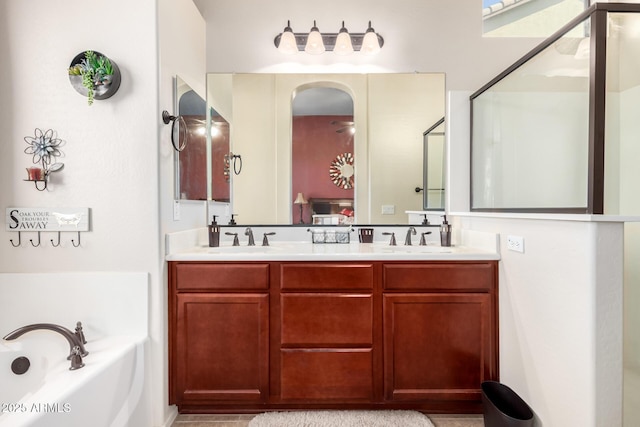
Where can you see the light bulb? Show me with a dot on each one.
(343, 42)
(370, 42)
(288, 42)
(315, 45)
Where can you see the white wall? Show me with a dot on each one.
(420, 35)
(181, 40)
(561, 317)
(630, 204)
(113, 164)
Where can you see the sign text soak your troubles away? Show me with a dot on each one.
(47, 219)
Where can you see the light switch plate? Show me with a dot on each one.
(176, 210)
(388, 209)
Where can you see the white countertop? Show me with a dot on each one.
(306, 251)
(291, 244)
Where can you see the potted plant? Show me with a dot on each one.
(96, 72)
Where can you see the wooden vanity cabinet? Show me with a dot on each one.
(219, 334)
(252, 336)
(440, 332)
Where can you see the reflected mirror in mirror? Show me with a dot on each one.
(191, 162)
(322, 161)
(390, 114)
(434, 167)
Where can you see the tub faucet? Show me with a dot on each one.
(249, 232)
(410, 231)
(76, 346)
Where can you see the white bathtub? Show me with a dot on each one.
(107, 391)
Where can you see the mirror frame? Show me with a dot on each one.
(425, 167)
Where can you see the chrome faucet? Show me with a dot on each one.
(249, 232)
(75, 340)
(410, 231)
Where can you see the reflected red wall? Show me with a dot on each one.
(315, 145)
(193, 162)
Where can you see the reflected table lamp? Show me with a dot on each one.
(300, 200)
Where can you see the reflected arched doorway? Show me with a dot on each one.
(323, 164)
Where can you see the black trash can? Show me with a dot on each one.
(503, 407)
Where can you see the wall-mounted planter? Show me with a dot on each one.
(100, 73)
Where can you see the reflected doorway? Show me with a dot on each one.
(322, 158)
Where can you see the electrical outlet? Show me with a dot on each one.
(515, 243)
(176, 210)
(388, 209)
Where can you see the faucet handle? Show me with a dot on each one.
(76, 358)
(392, 242)
(423, 241)
(236, 242)
(265, 240)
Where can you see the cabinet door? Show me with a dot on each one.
(221, 348)
(437, 346)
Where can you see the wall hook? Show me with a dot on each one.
(55, 245)
(34, 245)
(19, 238)
(168, 118)
(74, 242)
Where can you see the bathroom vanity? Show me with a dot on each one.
(363, 329)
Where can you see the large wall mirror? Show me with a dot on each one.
(378, 148)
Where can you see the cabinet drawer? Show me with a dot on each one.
(337, 375)
(326, 276)
(439, 276)
(327, 319)
(222, 276)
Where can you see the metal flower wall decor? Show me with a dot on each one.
(45, 148)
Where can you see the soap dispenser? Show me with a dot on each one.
(214, 233)
(445, 232)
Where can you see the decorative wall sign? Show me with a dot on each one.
(47, 219)
(341, 171)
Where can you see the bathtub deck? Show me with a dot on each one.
(235, 420)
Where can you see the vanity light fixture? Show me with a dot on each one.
(341, 43)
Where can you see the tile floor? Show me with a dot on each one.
(235, 420)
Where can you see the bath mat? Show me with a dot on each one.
(341, 419)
